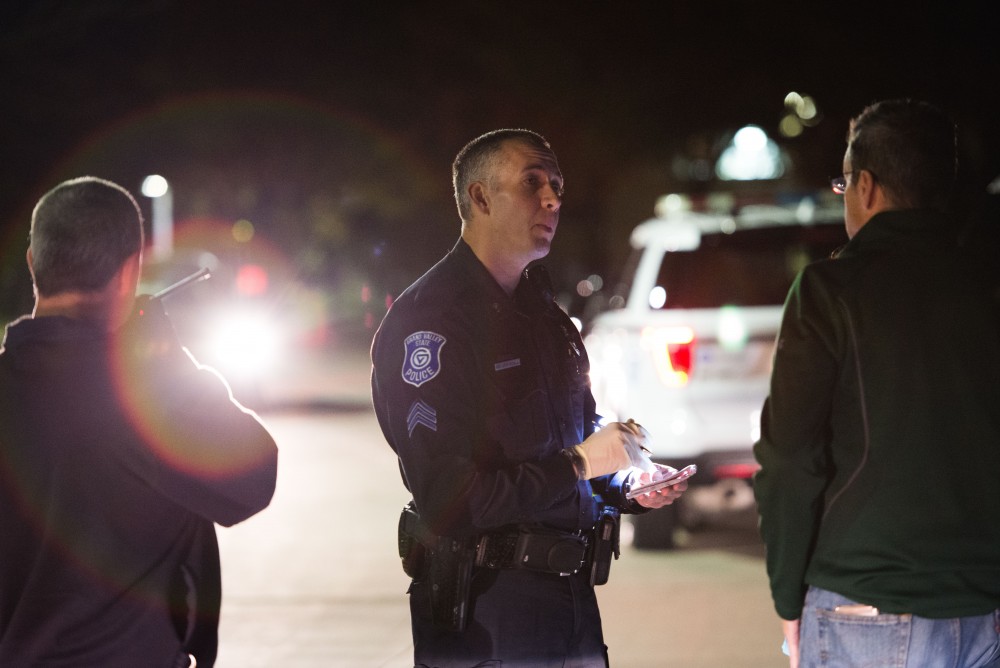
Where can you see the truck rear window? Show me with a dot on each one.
(750, 267)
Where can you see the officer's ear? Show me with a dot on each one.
(479, 197)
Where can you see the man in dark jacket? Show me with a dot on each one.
(118, 453)
(480, 384)
(880, 439)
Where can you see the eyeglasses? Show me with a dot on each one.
(839, 183)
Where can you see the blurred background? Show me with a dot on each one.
(303, 148)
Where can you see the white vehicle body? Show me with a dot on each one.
(689, 354)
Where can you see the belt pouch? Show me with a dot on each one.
(550, 552)
(411, 548)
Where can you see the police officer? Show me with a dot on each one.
(480, 385)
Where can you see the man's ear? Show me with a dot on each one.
(479, 197)
(128, 275)
(31, 262)
(870, 193)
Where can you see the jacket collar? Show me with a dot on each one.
(481, 279)
(532, 291)
(899, 229)
(53, 329)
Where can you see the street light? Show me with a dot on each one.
(751, 155)
(157, 189)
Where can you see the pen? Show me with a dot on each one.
(636, 429)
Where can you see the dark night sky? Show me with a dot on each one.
(333, 124)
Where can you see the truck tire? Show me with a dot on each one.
(655, 530)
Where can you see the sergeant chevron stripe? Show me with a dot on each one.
(421, 413)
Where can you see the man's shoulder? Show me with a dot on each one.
(443, 293)
(438, 288)
(445, 305)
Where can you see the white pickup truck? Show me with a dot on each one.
(688, 353)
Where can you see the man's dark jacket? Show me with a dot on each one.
(114, 464)
(880, 442)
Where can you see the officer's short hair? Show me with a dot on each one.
(910, 148)
(82, 232)
(478, 161)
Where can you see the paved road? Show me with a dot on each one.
(314, 581)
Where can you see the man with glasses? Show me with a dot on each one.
(880, 439)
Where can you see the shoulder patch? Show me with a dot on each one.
(422, 357)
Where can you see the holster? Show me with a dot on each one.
(604, 545)
(443, 563)
(449, 576)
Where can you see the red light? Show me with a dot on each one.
(680, 356)
(744, 471)
(672, 352)
(251, 280)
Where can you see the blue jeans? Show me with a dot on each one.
(837, 640)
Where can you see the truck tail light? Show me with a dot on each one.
(744, 471)
(672, 351)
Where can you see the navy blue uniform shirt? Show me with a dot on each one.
(478, 392)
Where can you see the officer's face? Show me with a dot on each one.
(525, 198)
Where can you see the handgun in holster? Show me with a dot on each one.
(449, 576)
(604, 545)
(443, 563)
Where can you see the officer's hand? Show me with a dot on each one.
(637, 450)
(661, 497)
(609, 450)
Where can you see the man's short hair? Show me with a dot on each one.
(82, 232)
(910, 148)
(479, 159)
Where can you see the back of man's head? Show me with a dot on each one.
(479, 159)
(82, 232)
(910, 149)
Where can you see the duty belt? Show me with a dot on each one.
(536, 549)
(516, 547)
